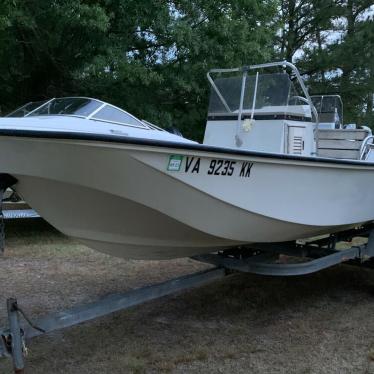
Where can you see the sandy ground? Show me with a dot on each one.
(323, 323)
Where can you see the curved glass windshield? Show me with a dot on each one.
(112, 114)
(77, 106)
(81, 107)
(26, 109)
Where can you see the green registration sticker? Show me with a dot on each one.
(175, 163)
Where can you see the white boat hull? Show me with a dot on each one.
(121, 199)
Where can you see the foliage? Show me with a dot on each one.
(44, 43)
(150, 57)
(338, 57)
(157, 70)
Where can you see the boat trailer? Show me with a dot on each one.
(276, 259)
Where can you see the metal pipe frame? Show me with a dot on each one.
(365, 144)
(269, 65)
(12, 338)
(260, 259)
(242, 93)
(258, 265)
(15, 337)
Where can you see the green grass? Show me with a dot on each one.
(36, 238)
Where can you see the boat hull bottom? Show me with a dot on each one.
(147, 252)
(123, 228)
(113, 224)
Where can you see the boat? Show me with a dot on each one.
(266, 172)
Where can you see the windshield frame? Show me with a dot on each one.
(41, 103)
(340, 110)
(90, 116)
(244, 71)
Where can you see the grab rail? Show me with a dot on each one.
(245, 69)
(364, 145)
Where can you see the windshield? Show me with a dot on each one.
(91, 109)
(69, 106)
(275, 93)
(113, 114)
(329, 108)
(272, 90)
(25, 109)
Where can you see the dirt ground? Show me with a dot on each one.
(322, 323)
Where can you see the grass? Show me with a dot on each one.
(136, 365)
(371, 354)
(320, 323)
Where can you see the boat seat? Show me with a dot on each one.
(340, 143)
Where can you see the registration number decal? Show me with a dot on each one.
(221, 167)
(215, 166)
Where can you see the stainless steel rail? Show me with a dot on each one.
(365, 144)
(263, 66)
